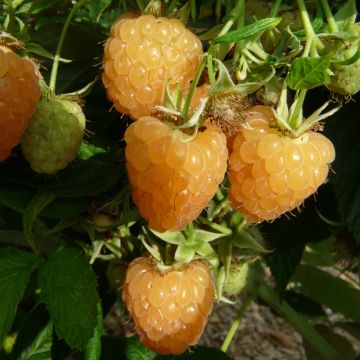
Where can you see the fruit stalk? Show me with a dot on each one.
(244, 306)
(311, 37)
(297, 321)
(329, 16)
(55, 66)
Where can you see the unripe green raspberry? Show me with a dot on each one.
(237, 279)
(346, 80)
(54, 135)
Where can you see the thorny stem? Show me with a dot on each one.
(329, 16)
(244, 306)
(55, 66)
(300, 323)
(313, 43)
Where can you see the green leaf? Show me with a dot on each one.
(304, 305)
(347, 163)
(39, 50)
(287, 237)
(308, 73)
(116, 348)
(15, 269)
(40, 349)
(68, 288)
(96, 8)
(39, 201)
(31, 326)
(346, 16)
(253, 31)
(329, 290)
(39, 6)
(93, 347)
(339, 343)
(320, 254)
(283, 263)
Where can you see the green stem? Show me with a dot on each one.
(194, 83)
(218, 11)
(222, 229)
(210, 69)
(235, 12)
(248, 299)
(329, 17)
(300, 323)
(11, 25)
(311, 37)
(172, 6)
(55, 66)
(275, 8)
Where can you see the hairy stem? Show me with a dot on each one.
(55, 66)
(244, 306)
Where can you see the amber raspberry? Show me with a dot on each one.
(169, 307)
(173, 175)
(140, 55)
(53, 137)
(271, 173)
(19, 93)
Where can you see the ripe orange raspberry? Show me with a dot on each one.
(169, 307)
(140, 55)
(19, 93)
(173, 175)
(270, 173)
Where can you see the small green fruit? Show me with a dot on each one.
(53, 137)
(346, 79)
(236, 279)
